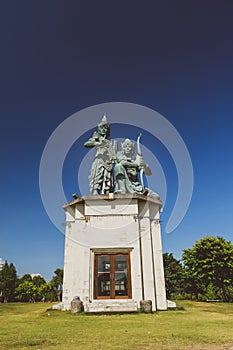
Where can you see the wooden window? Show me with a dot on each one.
(112, 279)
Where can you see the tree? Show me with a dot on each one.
(26, 291)
(56, 285)
(38, 281)
(31, 289)
(8, 279)
(174, 275)
(210, 264)
(26, 277)
(193, 285)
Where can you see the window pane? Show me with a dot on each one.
(120, 262)
(121, 285)
(104, 263)
(104, 284)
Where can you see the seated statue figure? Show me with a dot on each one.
(101, 178)
(127, 169)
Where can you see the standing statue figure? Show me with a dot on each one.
(127, 170)
(101, 178)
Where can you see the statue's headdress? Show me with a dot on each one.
(128, 142)
(105, 122)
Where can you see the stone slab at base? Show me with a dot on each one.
(171, 304)
(59, 306)
(111, 306)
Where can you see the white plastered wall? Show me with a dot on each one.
(123, 224)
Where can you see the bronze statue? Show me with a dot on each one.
(101, 177)
(127, 170)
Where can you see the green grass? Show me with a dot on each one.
(198, 326)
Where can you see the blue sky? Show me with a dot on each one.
(59, 57)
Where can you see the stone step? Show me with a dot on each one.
(111, 306)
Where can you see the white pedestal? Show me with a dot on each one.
(124, 225)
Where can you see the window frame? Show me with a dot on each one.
(112, 272)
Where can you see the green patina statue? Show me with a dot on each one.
(101, 177)
(126, 170)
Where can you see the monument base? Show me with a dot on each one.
(112, 306)
(113, 253)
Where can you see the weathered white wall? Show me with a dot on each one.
(122, 223)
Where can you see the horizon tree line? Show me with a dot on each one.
(28, 288)
(205, 272)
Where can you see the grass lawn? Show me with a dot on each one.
(200, 326)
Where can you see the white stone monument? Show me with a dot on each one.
(113, 254)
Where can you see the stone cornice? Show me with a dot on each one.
(112, 197)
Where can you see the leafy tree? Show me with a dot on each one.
(26, 277)
(36, 289)
(174, 275)
(193, 285)
(32, 291)
(26, 291)
(8, 279)
(209, 263)
(42, 287)
(38, 281)
(55, 285)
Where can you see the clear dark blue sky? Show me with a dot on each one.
(58, 57)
